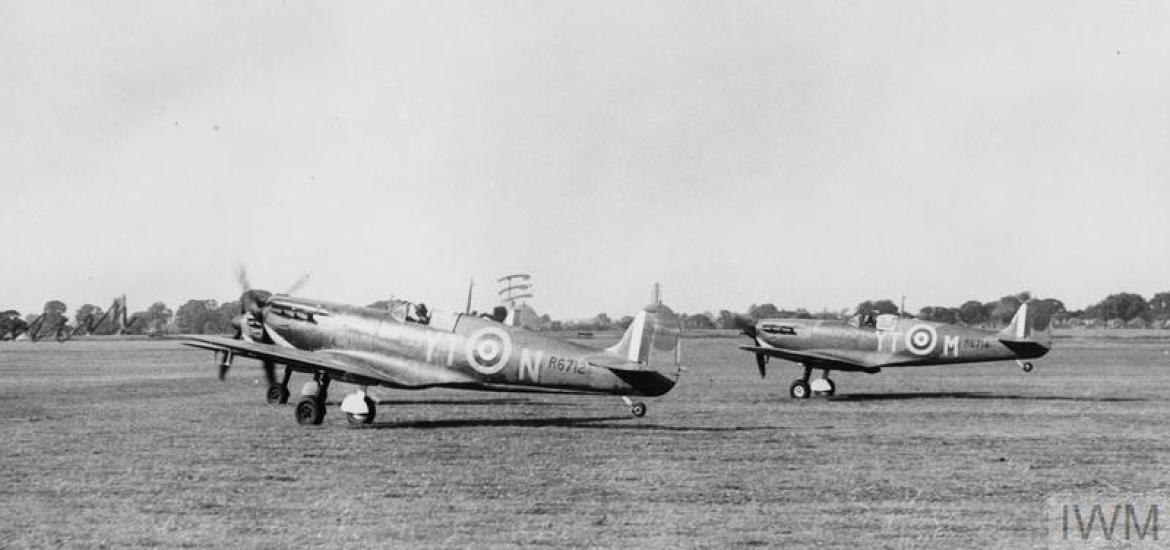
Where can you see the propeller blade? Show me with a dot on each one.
(761, 360)
(746, 326)
(238, 323)
(242, 278)
(292, 289)
(270, 372)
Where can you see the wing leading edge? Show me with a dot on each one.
(342, 366)
(813, 359)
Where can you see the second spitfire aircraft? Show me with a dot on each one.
(869, 343)
(409, 347)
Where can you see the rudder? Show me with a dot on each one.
(652, 340)
(1031, 323)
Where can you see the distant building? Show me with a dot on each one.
(1136, 322)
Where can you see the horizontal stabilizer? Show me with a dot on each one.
(1026, 349)
(649, 382)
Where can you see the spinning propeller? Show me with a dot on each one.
(748, 328)
(252, 303)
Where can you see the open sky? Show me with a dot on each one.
(809, 154)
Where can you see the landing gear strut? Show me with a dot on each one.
(801, 389)
(225, 363)
(637, 409)
(278, 393)
(311, 408)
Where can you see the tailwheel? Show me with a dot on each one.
(1027, 367)
(357, 419)
(277, 394)
(638, 409)
(799, 390)
(310, 411)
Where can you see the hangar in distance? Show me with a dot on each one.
(869, 343)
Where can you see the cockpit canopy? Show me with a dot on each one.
(405, 311)
(873, 320)
(408, 312)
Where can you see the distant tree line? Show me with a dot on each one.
(997, 313)
(1116, 310)
(206, 317)
(1124, 309)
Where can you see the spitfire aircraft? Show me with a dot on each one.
(409, 347)
(868, 343)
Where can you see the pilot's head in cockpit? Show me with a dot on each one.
(869, 318)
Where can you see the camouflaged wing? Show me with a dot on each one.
(342, 366)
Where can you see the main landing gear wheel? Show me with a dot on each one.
(638, 409)
(277, 394)
(359, 419)
(1027, 367)
(799, 390)
(832, 388)
(310, 411)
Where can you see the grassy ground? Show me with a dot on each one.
(136, 444)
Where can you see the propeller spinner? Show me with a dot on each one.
(252, 302)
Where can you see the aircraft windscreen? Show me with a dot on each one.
(410, 312)
(398, 310)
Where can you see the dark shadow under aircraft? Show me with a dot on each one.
(868, 343)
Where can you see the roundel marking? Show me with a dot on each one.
(488, 350)
(920, 339)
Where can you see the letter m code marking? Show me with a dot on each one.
(950, 346)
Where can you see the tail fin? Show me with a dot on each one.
(649, 354)
(1032, 323)
(652, 339)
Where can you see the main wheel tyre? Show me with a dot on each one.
(799, 390)
(359, 419)
(638, 409)
(277, 394)
(310, 411)
(1027, 367)
(832, 388)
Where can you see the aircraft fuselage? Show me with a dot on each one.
(457, 351)
(894, 341)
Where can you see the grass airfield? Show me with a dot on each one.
(136, 444)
